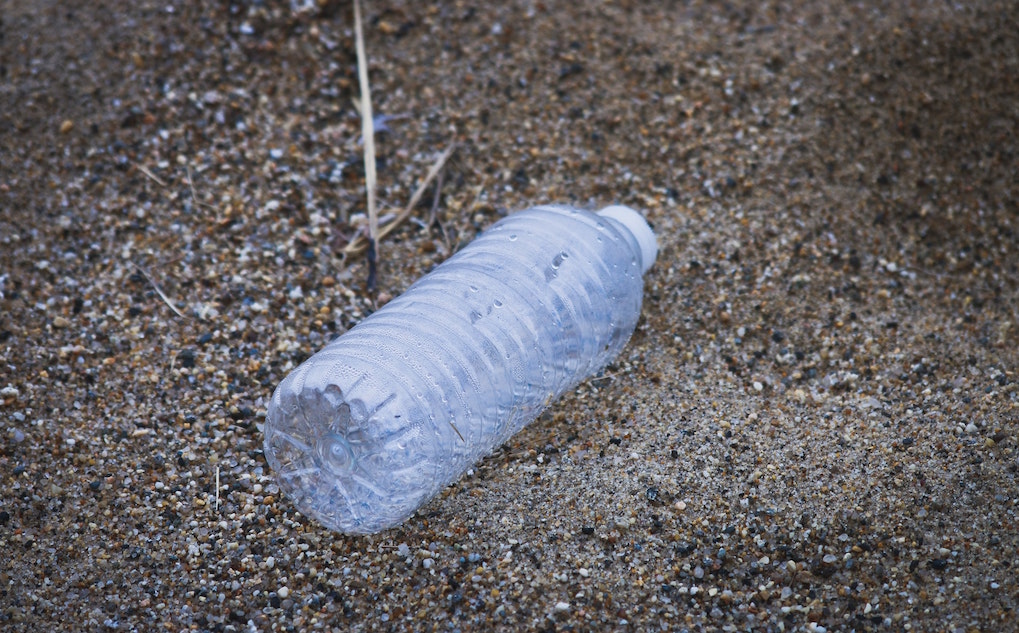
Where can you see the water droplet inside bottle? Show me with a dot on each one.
(497, 303)
(513, 237)
(473, 288)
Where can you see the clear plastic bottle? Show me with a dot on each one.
(381, 419)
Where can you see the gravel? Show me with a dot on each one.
(813, 428)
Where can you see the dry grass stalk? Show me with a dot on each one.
(159, 291)
(359, 244)
(367, 128)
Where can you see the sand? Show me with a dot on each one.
(813, 427)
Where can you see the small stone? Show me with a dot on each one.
(562, 607)
(758, 386)
(583, 571)
(66, 126)
(283, 592)
(61, 322)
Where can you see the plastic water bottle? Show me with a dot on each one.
(381, 419)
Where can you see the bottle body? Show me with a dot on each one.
(380, 420)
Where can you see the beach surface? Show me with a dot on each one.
(813, 428)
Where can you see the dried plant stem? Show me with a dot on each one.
(359, 244)
(159, 291)
(367, 129)
(145, 170)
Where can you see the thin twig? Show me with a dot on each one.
(436, 197)
(360, 243)
(604, 377)
(217, 488)
(159, 291)
(372, 265)
(194, 196)
(367, 132)
(145, 170)
(477, 194)
(434, 217)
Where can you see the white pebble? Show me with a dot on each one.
(561, 607)
(283, 592)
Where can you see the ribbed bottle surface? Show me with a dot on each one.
(368, 429)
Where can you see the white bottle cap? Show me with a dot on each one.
(640, 230)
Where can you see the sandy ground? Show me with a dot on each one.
(813, 428)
